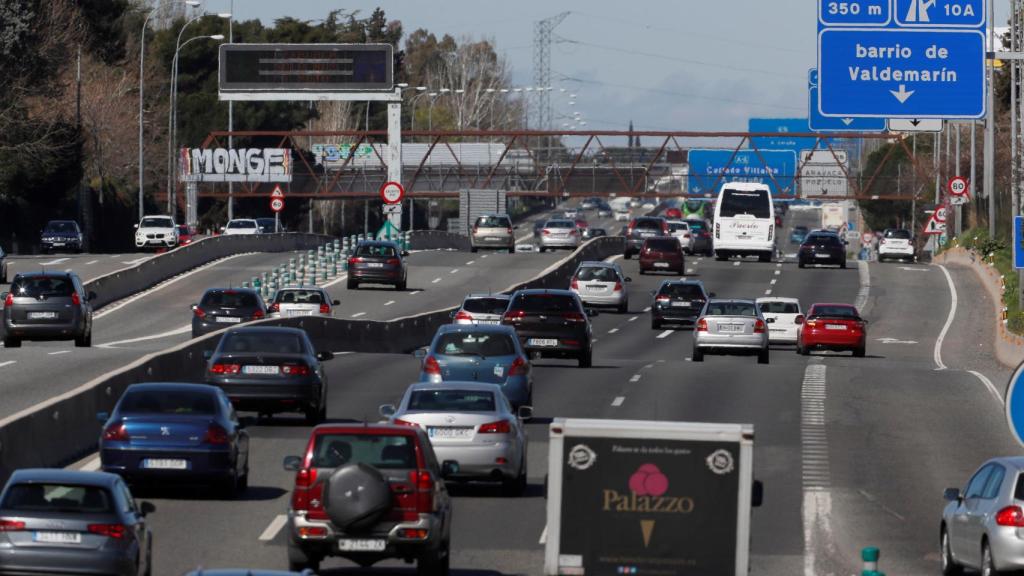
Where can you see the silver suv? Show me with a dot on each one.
(301, 301)
(493, 231)
(47, 306)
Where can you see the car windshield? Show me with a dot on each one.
(647, 224)
(685, 291)
(156, 223)
(376, 250)
(485, 305)
(299, 297)
(61, 227)
(493, 222)
(898, 234)
(598, 232)
(801, 229)
(451, 401)
(560, 224)
(753, 202)
(597, 274)
(36, 286)
(168, 402)
(63, 498)
(474, 344)
(823, 239)
(779, 307)
(378, 450)
(540, 303)
(263, 342)
(731, 309)
(663, 244)
(229, 299)
(835, 312)
(250, 224)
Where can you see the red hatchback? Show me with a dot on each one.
(833, 327)
(663, 254)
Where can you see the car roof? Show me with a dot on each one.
(250, 290)
(266, 330)
(1014, 461)
(300, 287)
(62, 222)
(488, 295)
(694, 282)
(172, 386)
(746, 186)
(731, 300)
(456, 385)
(553, 292)
(61, 475)
(778, 299)
(364, 428)
(491, 215)
(497, 328)
(246, 572)
(549, 220)
(44, 273)
(242, 220)
(597, 264)
(377, 243)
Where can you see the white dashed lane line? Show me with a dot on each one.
(648, 309)
(689, 270)
(774, 280)
(470, 263)
(389, 302)
(455, 271)
(59, 352)
(633, 319)
(435, 280)
(358, 314)
(275, 526)
(8, 363)
(635, 378)
(736, 263)
(767, 292)
(613, 330)
(777, 272)
(54, 262)
(414, 292)
(91, 262)
(618, 401)
(666, 334)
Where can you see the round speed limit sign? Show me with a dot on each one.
(392, 192)
(958, 186)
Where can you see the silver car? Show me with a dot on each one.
(493, 231)
(559, 233)
(730, 327)
(681, 230)
(471, 424)
(601, 284)
(981, 525)
(301, 301)
(481, 309)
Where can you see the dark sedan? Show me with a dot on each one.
(226, 307)
(678, 302)
(55, 521)
(61, 235)
(47, 306)
(822, 248)
(552, 323)
(377, 262)
(186, 432)
(701, 233)
(270, 370)
(640, 229)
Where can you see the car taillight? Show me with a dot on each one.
(75, 300)
(9, 301)
(275, 307)
(431, 366)
(771, 231)
(463, 315)
(799, 319)
(108, 530)
(295, 370)
(423, 480)
(573, 232)
(325, 308)
(116, 432)
(401, 422)
(811, 323)
(225, 369)
(574, 317)
(514, 315)
(702, 325)
(1010, 516)
(258, 315)
(216, 434)
(11, 525)
(508, 230)
(307, 496)
(499, 427)
(546, 232)
(392, 261)
(575, 284)
(355, 260)
(759, 327)
(662, 298)
(519, 367)
(199, 312)
(718, 230)
(882, 242)
(618, 286)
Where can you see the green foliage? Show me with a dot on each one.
(999, 253)
(105, 22)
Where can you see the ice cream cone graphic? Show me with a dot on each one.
(647, 527)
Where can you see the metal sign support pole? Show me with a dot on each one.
(956, 168)
(395, 153)
(990, 128)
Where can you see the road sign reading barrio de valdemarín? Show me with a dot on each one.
(392, 192)
(277, 199)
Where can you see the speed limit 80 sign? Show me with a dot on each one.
(958, 186)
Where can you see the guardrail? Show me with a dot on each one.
(64, 428)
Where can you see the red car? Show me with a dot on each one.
(832, 327)
(675, 213)
(185, 234)
(662, 254)
(581, 224)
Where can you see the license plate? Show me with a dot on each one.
(731, 328)
(58, 243)
(542, 342)
(165, 464)
(835, 327)
(595, 288)
(42, 315)
(374, 265)
(261, 369)
(822, 255)
(661, 264)
(680, 304)
(449, 431)
(375, 545)
(300, 313)
(228, 319)
(487, 321)
(57, 537)
(492, 238)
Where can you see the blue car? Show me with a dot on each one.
(170, 431)
(479, 353)
(798, 235)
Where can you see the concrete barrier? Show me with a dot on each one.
(65, 428)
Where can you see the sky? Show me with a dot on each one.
(703, 65)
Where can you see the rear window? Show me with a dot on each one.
(835, 311)
(731, 309)
(267, 342)
(677, 226)
(535, 303)
(695, 225)
(242, 224)
(597, 274)
(779, 307)
(898, 234)
(647, 223)
(753, 202)
(493, 222)
(560, 224)
(452, 401)
(688, 291)
(229, 299)
(823, 239)
(379, 451)
(183, 230)
(156, 223)
(36, 286)
(485, 305)
(62, 498)
(299, 297)
(168, 402)
(663, 244)
(474, 344)
(376, 250)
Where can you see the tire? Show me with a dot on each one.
(655, 324)
(352, 284)
(698, 354)
(512, 250)
(949, 565)
(543, 249)
(435, 563)
(84, 341)
(228, 487)
(623, 308)
(764, 257)
(988, 566)
(763, 357)
(515, 487)
(354, 514)
(842, 264)
(299, 559)
(642, 272)
(473, 249)
(800, 264)
(316, 414)
(627, 255)
(859, 352)
(721, 256)
(400, 286)
(586, 359)
(12, 343)
(709, 253)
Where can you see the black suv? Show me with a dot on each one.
(821, 247)
(47, 306)
(226, 307)
(678, 302)
(61, 235)
(552, 323)
(641, 229)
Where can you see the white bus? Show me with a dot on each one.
(744, 221)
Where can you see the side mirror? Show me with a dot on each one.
(799, 319)
(420, 352)
(628, 279)
(292, 463)
(103, 417)
(207, 354)
(146, 508)
(712, 295)
(324, 356)
(592, 313)
(951, 494)
(516, 227)
(449, 468)
(387, 410)
(92, 296)
(136, 226)
(335, 302)
(405, 253)
(757, 494)
(223, 228)
(525, 412)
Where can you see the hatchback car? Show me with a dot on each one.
(471, 424)
(662, 255)
(559, 234)
(175, 432)
(783, 317)
(481, 309)
(61, 235)
(293, 301)
(491, 354)
(552, 323)
(271, 369)
(798, 234)
(822, 247)
(377, 262)
(55, 521)
(225, 307)
(896, 244)
(601, 284)
(833, 327)
(241, 227)
(269, 225)
(403, 510)
(185, 235)
(47, 306)
(700, 234)
(980, 526)
(681, 230)
(571, 213)
(493, 231)
(640, 229)
(731, 327)
(604, 210)
(678, 302)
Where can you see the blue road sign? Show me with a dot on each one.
(1018, 242)
(819, 123)
(941, 13)
(899, 73)
(707, 165)
(780, 127)
(1015, 405)
(854, 12)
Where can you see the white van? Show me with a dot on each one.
(744, 221)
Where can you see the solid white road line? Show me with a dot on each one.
(54, 262)
(183, 330)
(543, 536)
(389, 302)
(632, 319)
(58, 352)
(613, 330)
(988, 384)
(91, 262)
(435, 280)
(949, 319)
(666, 334)
(136, 261)
(634, 378)
(358, 314)
(91, 466)
(8, 363)
(618, 401)
(275, 526)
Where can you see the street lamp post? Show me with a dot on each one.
(430, 111)
(412, 117)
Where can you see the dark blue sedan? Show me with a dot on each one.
(170, 431)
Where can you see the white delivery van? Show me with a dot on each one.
(744, 221)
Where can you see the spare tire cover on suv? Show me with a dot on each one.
(355, 496)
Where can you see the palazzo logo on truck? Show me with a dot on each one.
(236, 165)
(647, 489)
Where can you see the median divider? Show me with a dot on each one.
(64, 429)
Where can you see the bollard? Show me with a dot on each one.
(870, 556)
(323, 275)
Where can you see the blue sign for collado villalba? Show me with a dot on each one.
(777, 169)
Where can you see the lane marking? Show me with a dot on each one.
(414, 292)
(54, 262)
(815, 471)
(632, 319)
(58, 352)
(8, 363)
(777, 272)
(340, 278)
(864, 274)
(136, 261)
(774, 280)
(767, 292)
(91, 262)
(435, 280)
(389, 302)
(949, 319)
(543, 536)
(454, 271)
(275, 526)
(358, 314)
(666, 333)
(988, 384)
(780, 264)
(618, 401)
(483, 255)
(689, 270)
(67, 269)
(737, 263)
(183, 330)
(470, 263)
(648, 309)
(613, 330)
(635, 378)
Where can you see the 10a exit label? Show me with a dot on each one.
(903, 13)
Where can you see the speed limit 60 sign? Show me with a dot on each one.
(392, 192)
(277, 199)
